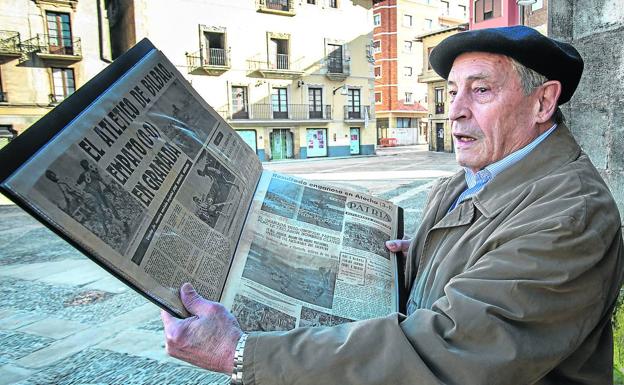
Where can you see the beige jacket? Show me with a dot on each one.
(514, 286)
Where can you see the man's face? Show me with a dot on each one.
(490, 115)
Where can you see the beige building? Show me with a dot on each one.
(294, 78)
(48, 48)
(439, 127)
(400, 98)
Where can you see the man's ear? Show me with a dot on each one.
(548, 94)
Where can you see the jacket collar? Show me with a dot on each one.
(558, 149)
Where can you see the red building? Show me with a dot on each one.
(493, 13)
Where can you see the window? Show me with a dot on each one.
(311, 1)
(279, 101)
(407, 71)
(487, 9)
(279, 5)
(59, 33)
(462, 10)
(404, 122)
(62, 83)
(407, 20)
(428, 55)
(3, 95)
(428, 23)
(376, 46)
(407, 46)
(334, 59)
(315, 98)
(278, 49)
(376, 20)
(439, 100)
(239, 103)
(377, 71)
(333, 3)
(445, 7)
(408, 98)
(214, 54)
(353, 103)
(377, 97)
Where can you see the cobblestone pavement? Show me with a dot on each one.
(64, 320)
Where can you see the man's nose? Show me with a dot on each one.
(458, 108)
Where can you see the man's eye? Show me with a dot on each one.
(481, 90)
(452, 93)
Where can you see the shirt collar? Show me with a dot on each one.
(489, 172)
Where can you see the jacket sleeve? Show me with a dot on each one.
(519, 311)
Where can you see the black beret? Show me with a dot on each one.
(553, 59)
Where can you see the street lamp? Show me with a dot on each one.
(521, 5)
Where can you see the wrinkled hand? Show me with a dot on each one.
(208, 338)
(398, 245)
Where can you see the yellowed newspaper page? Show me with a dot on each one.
(310, 255)
(151, 181)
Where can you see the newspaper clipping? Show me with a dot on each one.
(151, 181)
(312, 255)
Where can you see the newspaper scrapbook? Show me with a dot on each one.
(139, 173)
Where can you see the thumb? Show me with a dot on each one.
(192, 301)
(397, 245)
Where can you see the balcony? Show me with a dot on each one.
(357, 113)
(213, 62)
(338, 69)
(279, 7)
(4, 97)
(10, 44)
(54, 48)
(278, 67)
(439, 108)
(290, 112)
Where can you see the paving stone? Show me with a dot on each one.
(86, 273)
(19, 319)
(137, 343)
(154, 325)
(40, 298)
(37, 245)
(109, 284)
(87, 338)
(15, 345)
(41, 270)
(97, 366)
(53, 328)
(10, 374)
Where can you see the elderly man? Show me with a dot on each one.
(514, 273)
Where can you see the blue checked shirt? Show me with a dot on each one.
(477, 181)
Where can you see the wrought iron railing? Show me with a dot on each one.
(214, 57)
(276, 62)
(281, 61)
(217, 57)
(261, 111)
(335, 65)
(10, 42)
(276, 5)
(279, 5)
(53, 45)
(357, 112)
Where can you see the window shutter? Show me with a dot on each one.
(478, 10)
(497, 8)
(488, 6)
